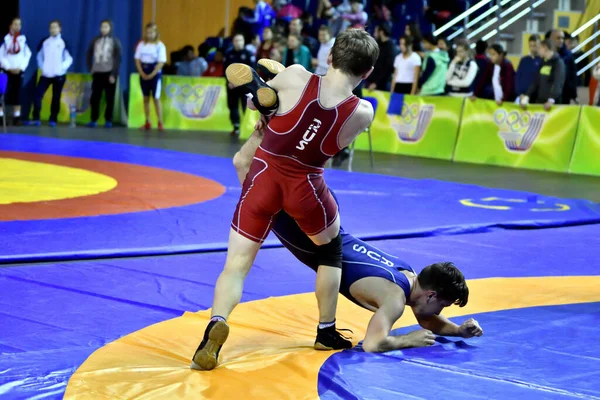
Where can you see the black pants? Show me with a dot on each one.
(403, 88)
(234, 97)
(13, 88)
(57, 87)
(101, 83)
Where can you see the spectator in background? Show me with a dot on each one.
(325, 11)
(104, 61)
(215, 67)
(462, 72)
(407, 67)
(150, 58)
(242, 25)
(384, 66)
(444, 45)
(237, 96)
(254, 44)
(296, 27)
(412, 31)
(54, 59)
(320, 63)
(481, 59)
(14, 59)
(528, 67)
(191, 65)
(297, 53)
(357, 17)
(548, 85)
(435, 66)
(498, 80)
(596, 75)
(265, 49)
(263, 17)
(570, 89)
(572, 42)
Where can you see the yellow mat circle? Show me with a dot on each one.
(28, 182)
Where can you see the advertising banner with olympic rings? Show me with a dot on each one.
(587, 147)
(421, 126)
(510, 136)
(78, 91)
(189, 103)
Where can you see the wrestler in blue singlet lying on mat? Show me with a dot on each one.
(380, 282)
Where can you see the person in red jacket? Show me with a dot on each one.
(498, 80)
(215, 67)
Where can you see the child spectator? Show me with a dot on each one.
(384, 66)
(150, 57)
(254, 44)
(320, 63)
(297, 53)
(435, 66)
(103, 61)
(407, 67)
(14, 59)
(296, 28)
(547, 87)
(498, 80)
(461, 74)
(54, 59)
(444, 45)
(528, 67)
(215, 67)
(481, 59)
(191, 65)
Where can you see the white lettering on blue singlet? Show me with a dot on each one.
(309, 134)
(372, 255)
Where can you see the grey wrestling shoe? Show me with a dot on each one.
(207, 354)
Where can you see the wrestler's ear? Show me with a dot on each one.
(431, 296)
(367, 74)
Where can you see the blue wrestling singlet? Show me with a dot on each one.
(359, 259)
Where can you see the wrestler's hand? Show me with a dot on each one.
(420, 338)
(470, 328)
(261, 124)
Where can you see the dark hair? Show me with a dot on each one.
(408, 41)
(57, 22)
(187, 49)
(325, 28)
(498, 49)
(481, 46)
(354, 52)
(447, 281)
(549, 44)
(385, 28)
(415, 31)
(534, 38)
(430, 38)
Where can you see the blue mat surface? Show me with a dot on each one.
(372, 207)
(55, 315)
(517, 358)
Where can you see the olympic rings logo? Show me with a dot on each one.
(413, 122)
(194, 101)
(515, 121)
(410, 113)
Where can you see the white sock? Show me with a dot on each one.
(17, 114)
(1, 113)
(324, 325)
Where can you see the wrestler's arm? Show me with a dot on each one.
(357, 124)
(243, 158)
(442, 326)
(378, 338)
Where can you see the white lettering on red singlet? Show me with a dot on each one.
(310, 134)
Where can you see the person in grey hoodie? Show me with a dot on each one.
(103, 61)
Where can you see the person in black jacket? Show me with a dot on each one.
(103, 61)
(384, 67)
(548, 86)
(237, 96)
(570, 87)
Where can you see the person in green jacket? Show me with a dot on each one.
(435, 65)
(297, 53)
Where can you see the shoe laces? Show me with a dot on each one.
(339, 331)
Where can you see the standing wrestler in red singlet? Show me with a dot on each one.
(316, 118)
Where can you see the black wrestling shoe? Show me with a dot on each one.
(340, 157)
(331, 339)
(263, 96)
(207, 354)
(268, 69)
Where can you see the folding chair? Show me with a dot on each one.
(3, 85)
(374, 103)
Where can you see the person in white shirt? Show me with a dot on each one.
(150, 57)
(460, 78)
(14, 59)
(407, 67)
(320, 63)
(596, 74)
(54, 60)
